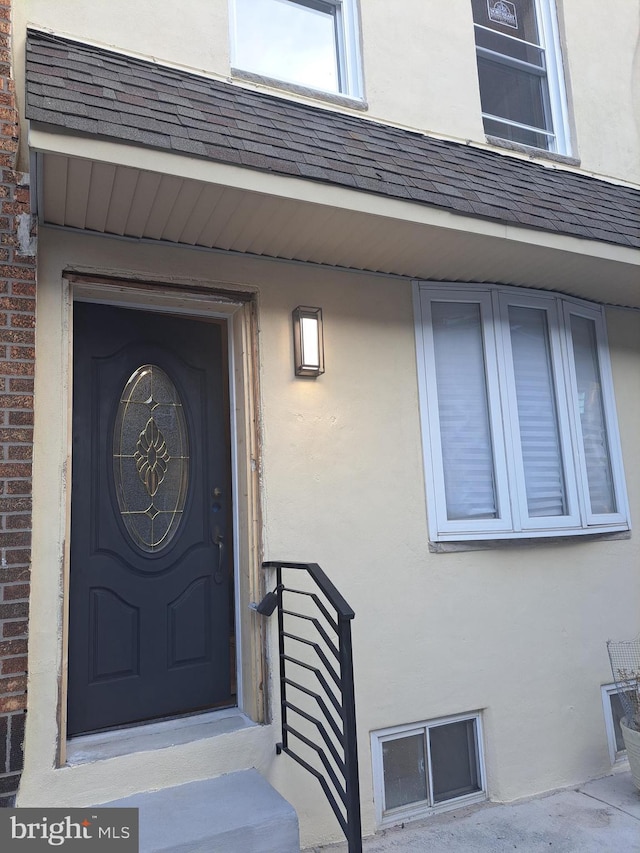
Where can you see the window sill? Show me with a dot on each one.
(407, 814)
(349, 101)
(86, 749)
(520, 541)
(534, 153)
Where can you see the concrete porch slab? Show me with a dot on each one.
(235, 813)
(618, 791)
(602, 816)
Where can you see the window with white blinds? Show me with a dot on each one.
(520, 432)
(467, 451)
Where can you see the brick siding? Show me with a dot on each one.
(17, 359)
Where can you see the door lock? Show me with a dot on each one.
(218, 539)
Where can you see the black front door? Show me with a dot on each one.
(151, 583)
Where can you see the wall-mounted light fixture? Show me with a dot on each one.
(308, 341)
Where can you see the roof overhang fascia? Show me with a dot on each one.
(589, 268)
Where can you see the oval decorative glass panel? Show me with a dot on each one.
(151, 458)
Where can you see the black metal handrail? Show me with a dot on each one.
(330, 662)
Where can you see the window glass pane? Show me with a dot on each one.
(503, 130)
(513, 94)
(454, 763)
(617, 712)
(510, 48)
(516, 18)
(537, 416)
(405, 777)
(591, 408)
(292, 41)
(467, 451)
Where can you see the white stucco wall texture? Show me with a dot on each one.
(517, 632)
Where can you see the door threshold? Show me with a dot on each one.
(85, 749)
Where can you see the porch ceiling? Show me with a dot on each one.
(177, 200)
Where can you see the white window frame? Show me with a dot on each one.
(549, 36)
(512, 433)
(347, 46)
(513, 521)
(616, 755)
(414, 811)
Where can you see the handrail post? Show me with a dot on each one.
(283, 683)
(354, 826)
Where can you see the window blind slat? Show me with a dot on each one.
(537, 415)
(467, 451)
(592, 420)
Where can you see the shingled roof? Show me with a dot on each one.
(98, 92)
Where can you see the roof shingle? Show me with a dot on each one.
(87, 89)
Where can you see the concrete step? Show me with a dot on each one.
(235, 813)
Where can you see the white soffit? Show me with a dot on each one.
(127, 191)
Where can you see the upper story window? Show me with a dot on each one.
(519, 423)
(310, 43)
(520, 72)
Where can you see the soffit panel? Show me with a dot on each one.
(127, 201)
(102, 179)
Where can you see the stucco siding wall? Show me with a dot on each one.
(601, 42)
(419, 64)
(516, 632)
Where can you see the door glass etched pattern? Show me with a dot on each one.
(151, 458)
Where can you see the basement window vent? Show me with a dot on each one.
(613, 713)
(427, 767)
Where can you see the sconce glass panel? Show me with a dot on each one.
(308, 341)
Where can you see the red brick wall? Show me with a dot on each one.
(17, 339)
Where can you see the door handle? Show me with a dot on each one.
(218, 540)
